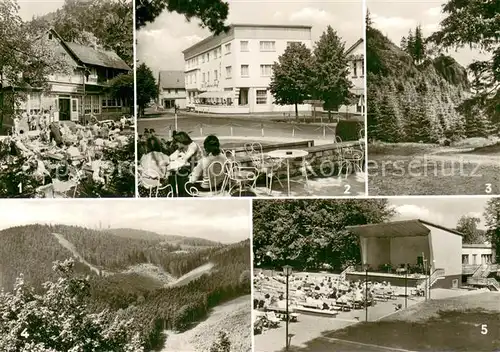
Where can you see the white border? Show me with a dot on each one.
(365, 88)
(136, 183)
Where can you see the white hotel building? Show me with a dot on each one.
(230, 73)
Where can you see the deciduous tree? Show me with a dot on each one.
(308, 234)
(212, 13)
(291, 79)
(146, 86)
(492, 216)
(26, 57)
(467, 225)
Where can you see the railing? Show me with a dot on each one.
(484, 282)
(347, 270)
(435, 276)
(469, 269)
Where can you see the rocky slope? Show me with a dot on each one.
(416, 103)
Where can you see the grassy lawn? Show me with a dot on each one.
(440, 325)
(421, 169)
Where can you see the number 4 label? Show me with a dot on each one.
(484, 329)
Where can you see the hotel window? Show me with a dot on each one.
(465, 259)
(228, 48)
(244, 45)
(194, 77)
(355, 69)
(215, 53)
(229, 71)
(362, 67)
(88, 104)
(203, 58)
(208, 76)
(244, 71)
(216, 75)
(290, 43)
(266, 70)
(204, 77)
(208, 57)
(267, 46)
(261, 97)
(96, 107)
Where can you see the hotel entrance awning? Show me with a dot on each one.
(220, 95)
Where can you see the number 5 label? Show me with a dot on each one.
(484, 329)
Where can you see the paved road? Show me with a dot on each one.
(200, 126)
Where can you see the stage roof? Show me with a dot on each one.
(405, 228)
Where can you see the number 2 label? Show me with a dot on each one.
(347, 189)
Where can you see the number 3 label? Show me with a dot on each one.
(484, 329)
(488, 189)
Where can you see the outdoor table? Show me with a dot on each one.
(288, 154)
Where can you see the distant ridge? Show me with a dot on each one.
(171, 239)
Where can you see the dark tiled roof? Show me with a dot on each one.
(97, 57)
(171, 80)
(405, 228)
(354, 46)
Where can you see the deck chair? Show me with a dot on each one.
(273, 319)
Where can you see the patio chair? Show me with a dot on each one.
(351, 160)
(265, 165)
(240, 177)
(153, 183)
(273, 320)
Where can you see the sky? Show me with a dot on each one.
(30, 8)
(226, 221)
(441, 211)
(160, 44)
(395, 18)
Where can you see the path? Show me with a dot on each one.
(193, 275)
(234, 317)
(70, 247)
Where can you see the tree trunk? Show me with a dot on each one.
(296, 111)
(329, 116)
(1, 99)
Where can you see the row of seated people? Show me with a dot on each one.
(180, 162)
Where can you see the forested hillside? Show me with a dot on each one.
(153, 306)
(417, 101)
(170, 239)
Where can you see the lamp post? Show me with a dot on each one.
(433, 265)
(287, 270)
(366, 291)
(406, 287)
(426, 279)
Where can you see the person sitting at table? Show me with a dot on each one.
(55, 134)
(211, 166)
(188, 153)
(153, 167)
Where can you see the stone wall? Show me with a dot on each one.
(322, 160)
